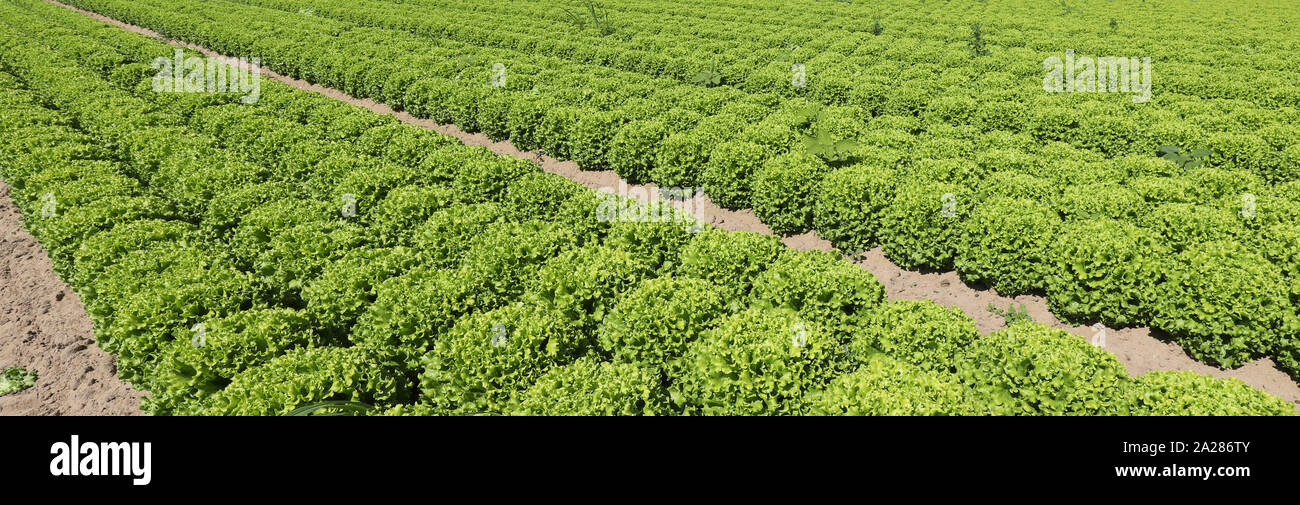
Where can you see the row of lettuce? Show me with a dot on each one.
(916, 45)
(207, 241)
(436, 75)
(1073, 206)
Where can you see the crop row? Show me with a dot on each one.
(544, 99)
(1076, 206)
(755, 57)
(884, 87)
(228, 281)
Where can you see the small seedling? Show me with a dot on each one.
(822, 144)
(709, 77)
(1011, 315)
(598, 16)
(976, 42)
(827, 148)
(15, 379)
(876, 29)
(1194, 159)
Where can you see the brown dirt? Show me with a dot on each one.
(44, 328)
(1135, 347)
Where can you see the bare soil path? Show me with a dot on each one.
(44, 327)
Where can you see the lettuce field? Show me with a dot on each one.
(246, 247)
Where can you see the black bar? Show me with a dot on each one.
(294, 455)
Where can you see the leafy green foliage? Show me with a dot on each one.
(632, 150)
(1183, 225)
(819, 286)
(849, 205)
(15, 379)
(784, 191)
(1005, 245)
(263, 223)
(180, 209)
(726, 177)
(653, 324)
(918, 332)
(658, 238)
(494, 115)
(306, 376)
(830, 149)
(709, 77)
(348, 285)
(1182, 393)
(1247, 152)
(71, 226)
(757, 362)
(506, 256)
(1207, 277)
(1187, 160)
(487, 178)
(411, 310)
(583, 284)
(923, 225)
(191, 179)
(1104, 270)
(169, 289)
(597, 15)
(1014, 184)
(1280, 244)
(228, 208)
(103, 249)
(1101, 201)
(680, 158)
(588, 387)
(1032, 369)
(295, 256)
(445, 237)
(525, 118)
(538, 195)
(976, 42)
(582, 213)
(1010, 315)
(478, 364)
(730, 260)
(884, 386)
(553, 131)
(204, 358)
(590, 138)
(395, 218)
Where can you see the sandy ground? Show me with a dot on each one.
(44, 327)
(1135, 347)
